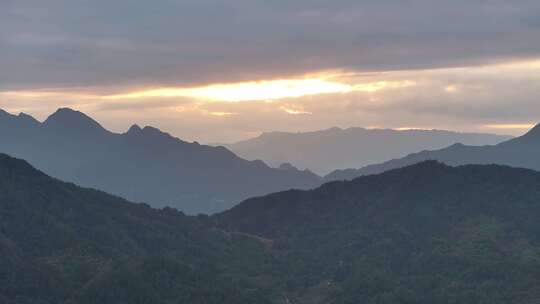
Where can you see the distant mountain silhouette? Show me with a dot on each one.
(522, 152)
(65, 119)
(335, 148)
(143, 164)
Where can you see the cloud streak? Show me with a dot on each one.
(136, 43)
(269, 90)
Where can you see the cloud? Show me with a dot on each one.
(295, 110)
(511, 126)
(145, 104)
(248, 91)
(268, 90)
(139, 43)
(500, 98)
(221, 114)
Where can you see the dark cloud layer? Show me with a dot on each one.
(59, 43)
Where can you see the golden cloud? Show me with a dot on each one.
(269, 90)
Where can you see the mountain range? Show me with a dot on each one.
(327, 150)
(143, 164)
(522, 152)
(427, 233)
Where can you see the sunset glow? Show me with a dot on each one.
(43, 94)
(292, 111)
(510, 126)
(247, 91)
(263, 90)
(409, 129)
(382, 85)
(221, 114)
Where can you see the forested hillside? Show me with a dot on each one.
(428, 233)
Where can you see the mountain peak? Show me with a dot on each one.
(531, 137)
(6, 116)
(152, 130)
(534, 132)
(134, 129)
(4, 113)
(20, 120)
(28, 118)
(287, 167)
(151, 134)
(67, 118)
(335, 129)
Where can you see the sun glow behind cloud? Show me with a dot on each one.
(510, 126)
(43, 94)
(293, 111)
(410, 129)
(221, 114)
(322, 83)
(263, 90)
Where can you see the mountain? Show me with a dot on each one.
(143, 164)
(327, 150)
(62, 244)
(518, 152)
(427, 233)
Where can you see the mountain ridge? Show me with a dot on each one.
(324, 151)
(516, 152)
(142, 164)
(425, 233)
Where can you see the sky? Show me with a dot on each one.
(226, 70)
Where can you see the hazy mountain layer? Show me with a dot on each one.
(518, 152)
(328, 150)
(143, 164)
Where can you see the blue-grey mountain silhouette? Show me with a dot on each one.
(521, 151)
(143, 164)
(327, 150)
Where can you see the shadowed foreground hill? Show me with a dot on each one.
(521, 152)
(428, 233)
(63, 244)
(143, 164)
